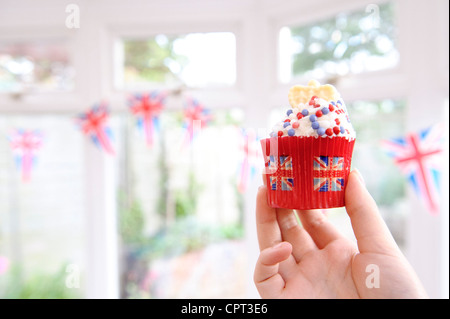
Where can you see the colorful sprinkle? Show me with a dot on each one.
(329, 131)
(305, 112)
(287, 120)
(280, 133)
(331, 107)
(325, 110)
(286, 124)
(336, 130)
(312, 101)
(342, 129)
(337, 121)
(319, 113)
(289, 112)
(291, 132)
(313, 118)
(321, 131)
(315, 125)
(295, 125)
(299, 116)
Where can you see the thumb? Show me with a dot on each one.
(371, 232)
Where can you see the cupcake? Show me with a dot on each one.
(308, 155)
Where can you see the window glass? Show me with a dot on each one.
(35, 66)
(194, 59)
(42, 220)
(351, 42)
(375, 121)
(181, 214)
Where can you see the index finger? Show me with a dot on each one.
(369, 227)
(267, 228)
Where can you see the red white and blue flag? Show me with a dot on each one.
(24, 145)
(283, 178)
(250, 158)
(328, 173)
(195, 118)
(147, 108)
(419, 156)
(93, 123)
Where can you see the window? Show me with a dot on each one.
(384, 180)
(42, 220)
(194, 59)
(35, 66)
(354, 42)
(181, 217)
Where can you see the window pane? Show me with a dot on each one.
(384, 180)
(181, 218)
(353, 42)
(42, 220)
(195, 59)
(35, 66)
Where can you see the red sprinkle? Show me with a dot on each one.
(280, 133)
(287, 120)
(317, 105)
(336, 130)
(312, 101)
(295, 125)
(329, 131)
(319, 113)
(331, 107)
(337, 121)
(299, 115)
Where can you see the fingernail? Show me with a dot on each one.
(277, 245)
(358, 173)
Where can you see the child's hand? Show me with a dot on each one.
(316, 261)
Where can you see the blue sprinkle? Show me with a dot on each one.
(332, 102)
(291, 132)
(339, 101)
(286, 124)
(313, 118)
(315, 125)
(305, 112)
(289, 112)
(325, 110)
(342, 129)
(321, 131)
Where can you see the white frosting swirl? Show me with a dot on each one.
(318, 118)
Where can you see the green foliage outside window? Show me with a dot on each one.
(342, 37)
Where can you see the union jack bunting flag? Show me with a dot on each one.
(328, 173)
(419, 156)
(282, 179)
